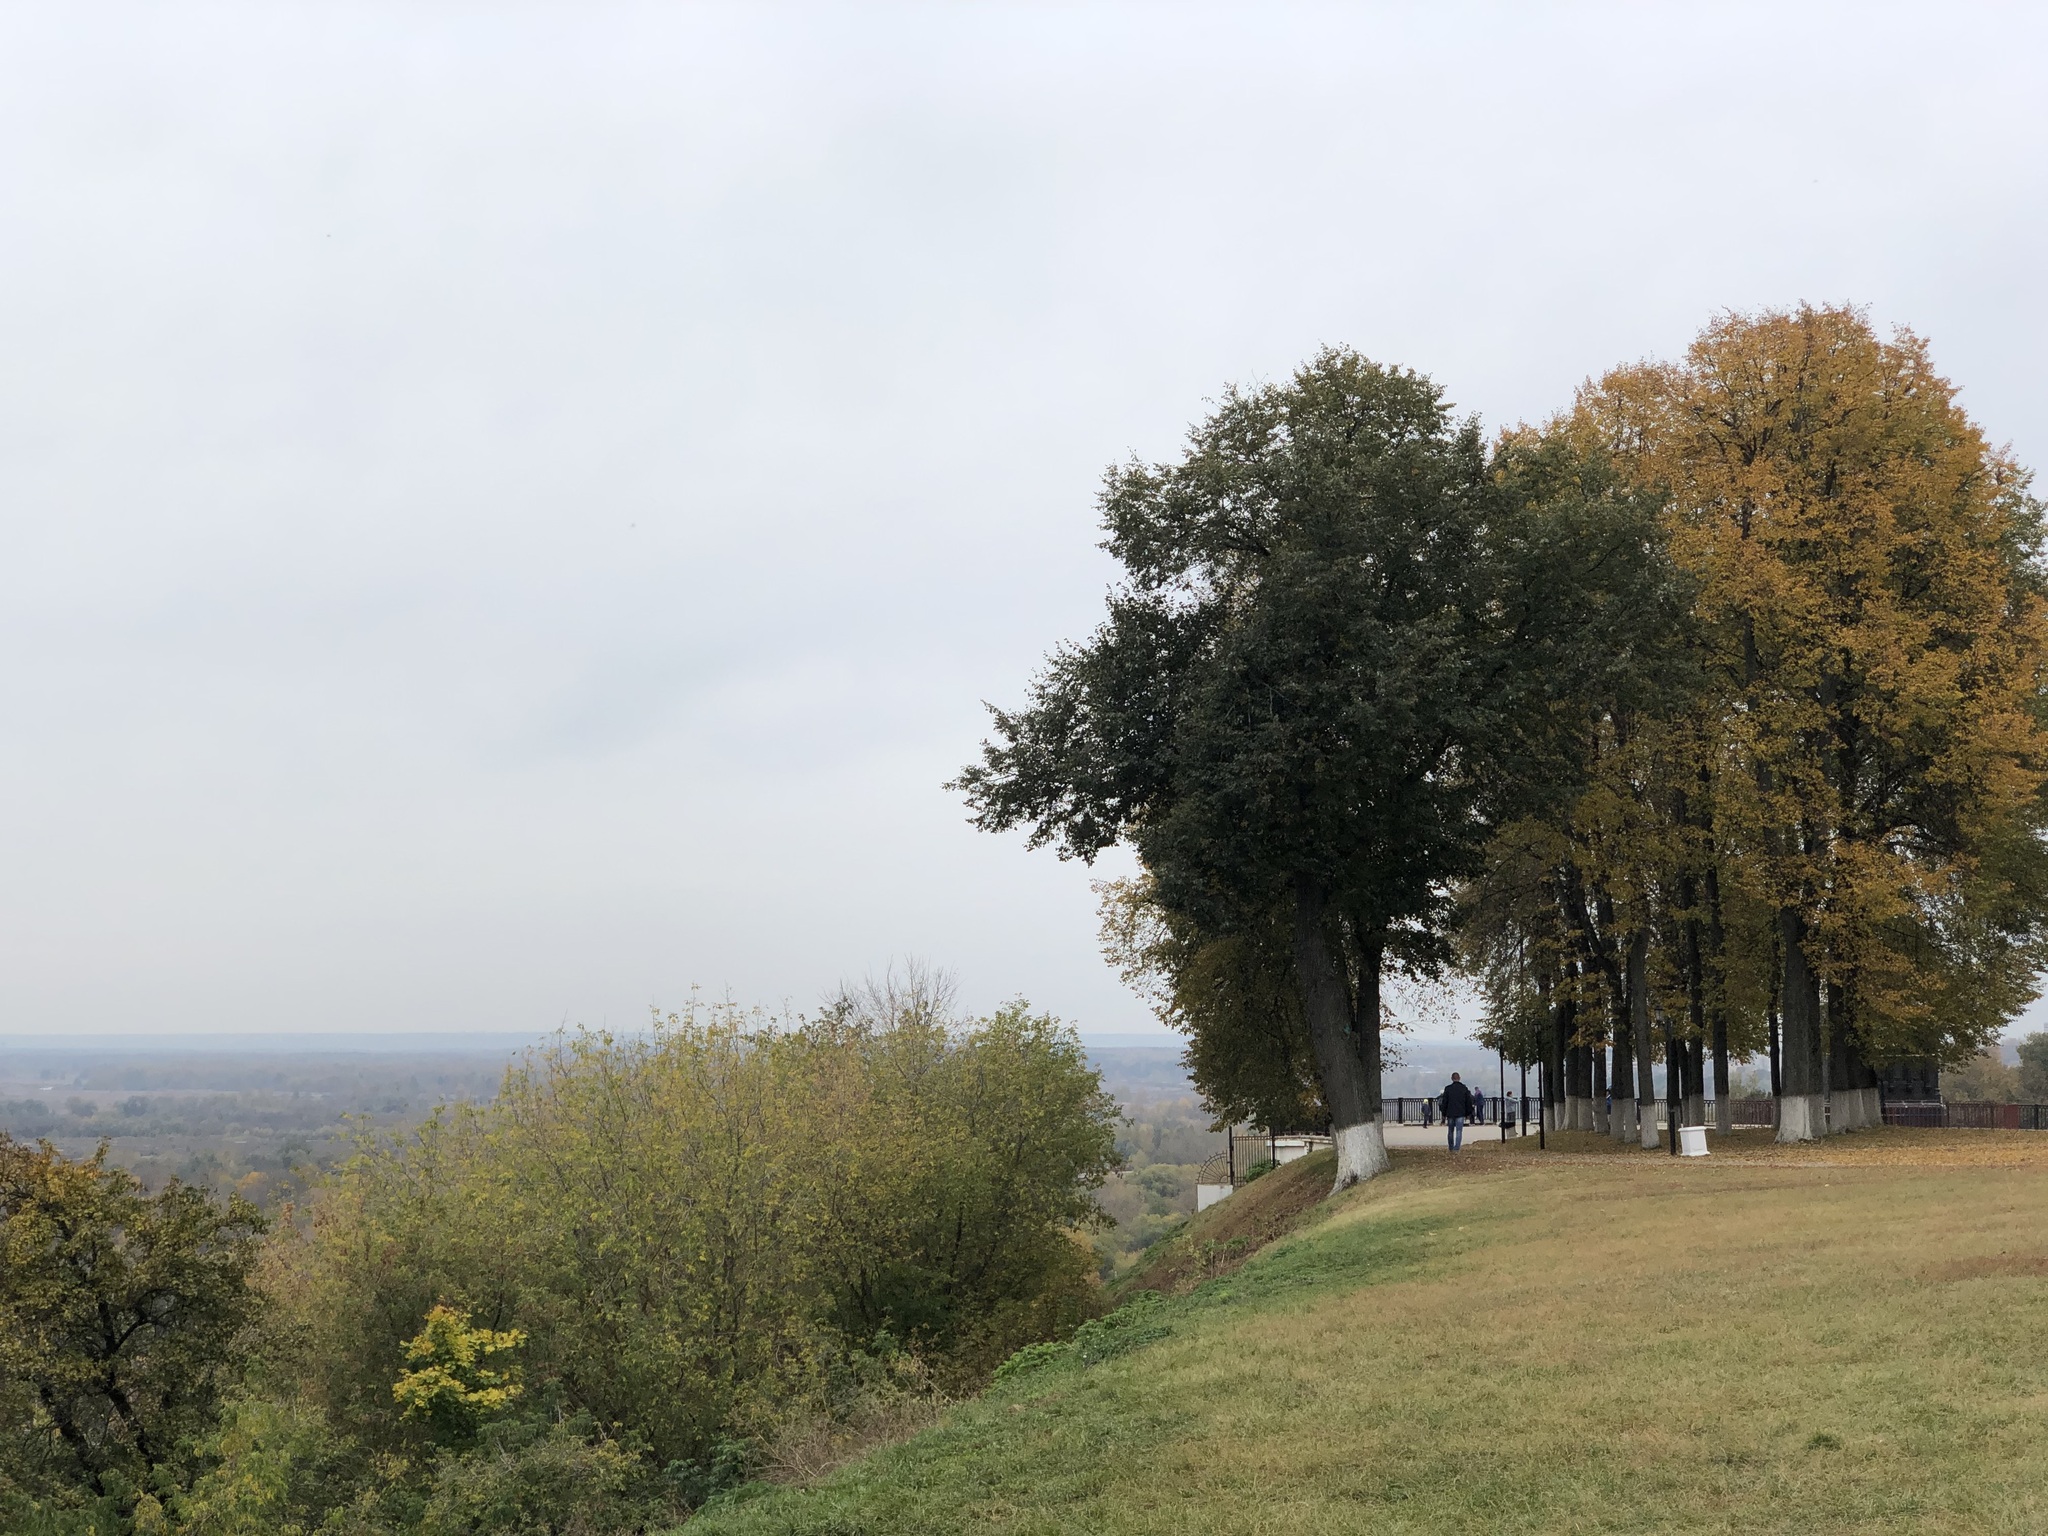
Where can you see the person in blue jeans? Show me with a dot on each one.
(1456, 1103)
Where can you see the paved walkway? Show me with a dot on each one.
(1433, 1136)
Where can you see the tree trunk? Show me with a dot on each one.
(1639, 1029)
(1346, 1042)
(1717, 1007)
(1556, 1052)
(1622, 1119)
(1690, 1047)
(1600, 1094)
(1853, 1100)
(1694, 955)
(1578, 1093)
(1802, 1114)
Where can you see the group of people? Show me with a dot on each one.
(1456, 1104)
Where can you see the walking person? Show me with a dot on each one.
(1427, 1106)
(1456, 1103)
(1478, 1105)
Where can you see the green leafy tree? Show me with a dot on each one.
(1345, 645)
(1233, 995)
(122, 1317)
(1985, 1077)
(960, 1166)
(2033, 1081)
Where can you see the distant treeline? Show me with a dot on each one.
(358, 1077)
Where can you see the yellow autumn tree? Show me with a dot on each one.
(1871, 618)
(454, 1379)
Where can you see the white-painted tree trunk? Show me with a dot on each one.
(1648, 1136)
(1695, 1110)
(1854, 1109)
(1724, 1115)
(1578, 1114)
(1802, 1117)
(1361, 1153)
(1622, 1122)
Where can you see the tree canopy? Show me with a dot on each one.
(1349, 641)
(120, 1321)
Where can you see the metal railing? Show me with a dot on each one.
(1248, 1146)
(1929, 1114)
(1515, 1109)
(1969, 1116)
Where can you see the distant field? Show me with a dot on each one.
(1845, 1337)
(256, 1119)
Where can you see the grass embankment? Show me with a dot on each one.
(1832, 1338)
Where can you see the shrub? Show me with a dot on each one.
(558, 1480)
(689, 1228)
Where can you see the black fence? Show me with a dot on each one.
(1761, 1114)
(1514, 1110)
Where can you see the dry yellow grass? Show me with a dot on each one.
(1878, 1147)
(1836, 1338)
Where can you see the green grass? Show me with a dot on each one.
(1513, 1343)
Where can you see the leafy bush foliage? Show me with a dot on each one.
(451, 1386)
(650, 1269)
(119, 1319)
(689, 1228)
(559, 1480)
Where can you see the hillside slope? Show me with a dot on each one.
(1845, 1338)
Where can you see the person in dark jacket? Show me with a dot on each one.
(1456, 1103)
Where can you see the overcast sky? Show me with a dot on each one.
(508, 512)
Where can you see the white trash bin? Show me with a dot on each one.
(1692, 1141)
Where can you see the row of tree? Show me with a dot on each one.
(1704, 721)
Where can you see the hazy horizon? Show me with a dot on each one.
(511, 513)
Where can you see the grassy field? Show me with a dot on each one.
(1851, 1337)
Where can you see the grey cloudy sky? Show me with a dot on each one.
(507, 512)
